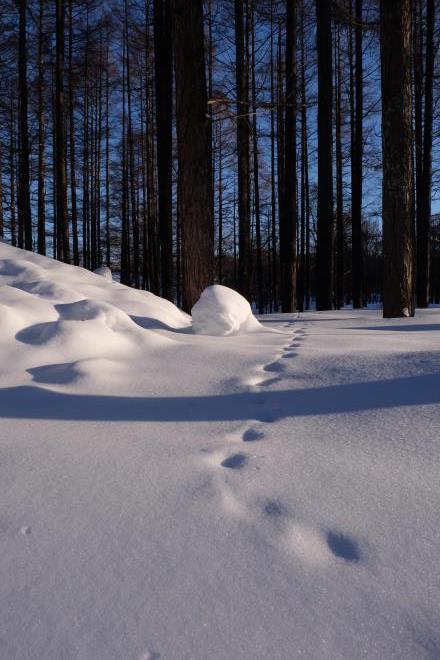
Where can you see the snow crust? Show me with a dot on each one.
(269, 494)
(221, 311)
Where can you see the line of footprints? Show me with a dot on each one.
(313, 546)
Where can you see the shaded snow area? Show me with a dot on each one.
(271, 494)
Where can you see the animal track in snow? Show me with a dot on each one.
(290, 354)
(235, 461)
(316, 547)
(274, 509)
(26, 530)
(252, 435)
(274, 367)
(343, 547)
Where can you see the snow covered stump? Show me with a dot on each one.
(105, 272)
(222, 311)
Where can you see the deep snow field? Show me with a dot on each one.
(273, 494)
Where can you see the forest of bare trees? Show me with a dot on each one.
(285, 148)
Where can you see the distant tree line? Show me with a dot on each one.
(241, 142)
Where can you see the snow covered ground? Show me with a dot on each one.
(273, 494)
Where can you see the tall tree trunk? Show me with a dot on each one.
(193, 144)
(324, 248)
(2, 226)
(85, 164)
(107, 163)
(339, 178)
(220, 202)
(92, 152)
(125, 234)
(72, 149)
(395, 42)
(259, 264)
(417, 6)
(280, 142)
(243, 130)
(424, 217)
(63, 246)
(41, 226)
(24, 199)
(143, 176)
(134, 215)
(274, 270)
(301, 273)
(163, 82)
(305, 192)
(98, 160)
(153, 257)
(356, 164)
(288, 225)
(12, 174)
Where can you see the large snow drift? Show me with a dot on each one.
(222, 311)
(173, 496)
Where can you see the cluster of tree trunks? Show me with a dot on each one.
(162, 207)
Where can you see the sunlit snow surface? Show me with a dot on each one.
(269, 495)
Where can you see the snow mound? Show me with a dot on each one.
(90, 310)
(105, 272)
(222, 311)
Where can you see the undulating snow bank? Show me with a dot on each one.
(221, 311)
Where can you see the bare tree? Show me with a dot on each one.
(194, 151)
(395, 43)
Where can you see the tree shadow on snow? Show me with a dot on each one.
(27, 402)
(407, 327)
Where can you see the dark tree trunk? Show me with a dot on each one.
(107, 166)
(259, 264)
(274, 269)
(2, 228)
(63, 247)
(280, 142)
(41, 225)
(305, 193)
(395, 41)
(193, 144)
(424, 216)
(288, 224)
(24, 200)
(356, 164)
(72, 149)
(243, 130)
(418, 125)
(153, 256)
(125, 236)
(339, 179)
(12, 175)
(130, 145)
(220, 203)
(164, 86)
(301, 268)
(85, 164)
(324, 248)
